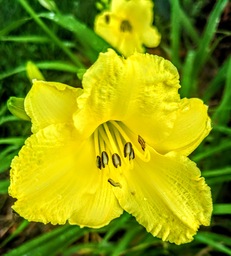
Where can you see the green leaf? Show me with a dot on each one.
(211, 151)
(16, 232)
(217, 172)
(12, 26)
(49, 243)
(92, 44)
(25, 39)
(223, 112)
(202, 53)
(175, 33)
(216, 241)
(47, 65)
(219, 209)
(4, 184)
(217, 83)
(51, 34)
(188, 85)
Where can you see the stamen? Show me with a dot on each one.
(119, 140)
(121, 129)
(104, 141)
(142, 142)
(105, 158)
(110, 138)
(96, 142)
(113, 140)
(107, 19)
(125, 26)
(114, 183)
(116, 160)
(127, 149)
(98, 162)
(132, 155)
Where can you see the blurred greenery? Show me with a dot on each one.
(57, 36)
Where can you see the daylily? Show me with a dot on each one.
(119, 143)
(127, 26)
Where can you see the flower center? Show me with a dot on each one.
(116, 147)
(125, 26)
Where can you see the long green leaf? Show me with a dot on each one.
(53, 37)
(16, 232)
(187, 83)
(4, 184)
(211, 151)
(204, 45)
(92, 44)
(220, 209)
(47, 65)
(49, 243)
(214, 240)
(223, 112)
(175, 32)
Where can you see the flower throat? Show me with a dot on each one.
(116, 146)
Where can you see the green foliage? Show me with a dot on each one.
(57, 36)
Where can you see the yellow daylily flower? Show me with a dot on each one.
(120, 143)
(127, 26)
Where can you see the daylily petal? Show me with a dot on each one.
(140, 90)
(153, 104)
(55, 179)
(167, 196)
(49, 103)
(130, 44)
(108, 27)
(151, 37)
(128, 25)
(192, 125)
(138, 12)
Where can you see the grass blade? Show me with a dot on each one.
(47, 65)
(49, 243)
(53, 37)
(217, 82)
(92, 44)
(210, 29)
(175, 33)
(220, 209)
(222, 113)
(214, 240)
(187, 83)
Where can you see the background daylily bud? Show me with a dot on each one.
(33, 72)
(48, 4)
(16, 107)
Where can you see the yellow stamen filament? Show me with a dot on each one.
(144, 156)
(111, 140)
(116, 146)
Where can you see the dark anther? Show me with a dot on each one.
(116, 160)
(142, 142)
(105, 159)
(114, 183)
(98, 162)
(127, 149)
(125, 26)
(107, 18)
(132, 155)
